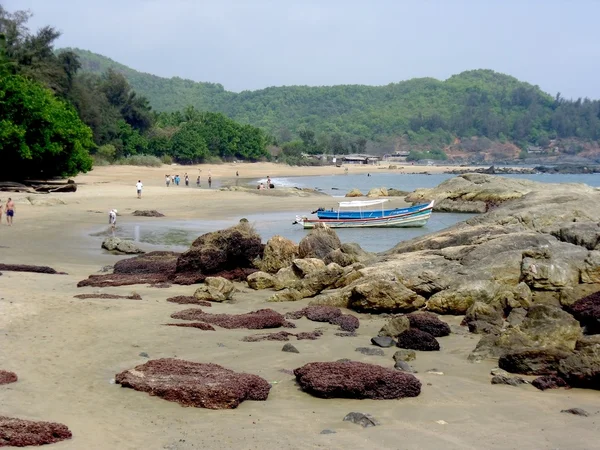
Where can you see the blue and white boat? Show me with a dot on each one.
(413, 216)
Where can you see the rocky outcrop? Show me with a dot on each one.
(532, 361)
(377, 296)
(417, 340)
(587, 311)
(483, 318)
(148, 263)
(310, 285)
(395, 326)
(118, 245)
(328, 314)
(215, 289)
(194, 384)
(354, 193)
(255, 320)
(7, 377)
(430, 323)
(261, 280)
(24, 433)
(378, 192)
(355, 380)
(318, 243)
(279, 253)
(582, 369)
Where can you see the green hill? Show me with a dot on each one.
(424, 112)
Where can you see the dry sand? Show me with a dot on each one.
(66, 351)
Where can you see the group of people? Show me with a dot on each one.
(269, 185)
(9, 210)
(175, 179)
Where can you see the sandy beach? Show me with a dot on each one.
(67, 351)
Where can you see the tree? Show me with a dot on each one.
(40, 136)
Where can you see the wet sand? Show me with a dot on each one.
(66, 351)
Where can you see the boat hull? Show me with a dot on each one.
(370, 214)
(417, 219)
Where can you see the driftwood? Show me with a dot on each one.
(32, 187)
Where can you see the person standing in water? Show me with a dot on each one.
(112, 219)
(209, 181)
(139, 186)
(10, 211)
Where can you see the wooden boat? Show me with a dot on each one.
(414, 216)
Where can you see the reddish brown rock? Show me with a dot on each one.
(188, 299)
(322, 313)
(309, 335)
(429, 322)
(417, 340)
(120, 279)
(194, 384)
(28, 268)
(109, 296)
(541, 361)
(153, 262)
(7, 377)
(23, 433)
(198, 325)
(347, 322)
(587, 311)
(279, 336)
(356, 380)
(549, 382)
(255, 320)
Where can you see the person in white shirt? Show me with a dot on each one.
(112, 218)
(139, 187)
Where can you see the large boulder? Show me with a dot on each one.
(310, 285)
(458, 300)
(582, 369)
(24, 433)
(552, 270)
(279, 253)
(377, 296)
(414, 339)
(194, 384)
(428, 322)
(483, 318)
(587, 311)
(216, 289)
(585, 234)
(395, 326)
(378, 192)
(354, 193)
(118, 245)
(229, 249)
(261, 280)
(532, 361)
(318, 243)
(306, 266)
(356, 380)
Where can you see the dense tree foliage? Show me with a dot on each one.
(428, 113)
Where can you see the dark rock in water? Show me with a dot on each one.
(511, 381)
(405, 355)
(279, 336)
(7, 377)
(28, 268)
(194, 384)
(144, 355)
(417, 340)
(549, 382)
(319, 243)
(576, 412)
(532, 361)
(356, 380)
(147, 213)
(23, 433)
(148, 263)
(198, 325)
(587, 311)
(383, 341)
(255, 320)
(289, 348)
(404, 366)
(327, 432)
(370, 351)
(430, 323)
(346, 322)
(582, 369)
(188, 300)
(364, 420)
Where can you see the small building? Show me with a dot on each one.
(361, 159)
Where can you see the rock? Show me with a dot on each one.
(588, 341)
(278, 336)
(501, 372)
(549, 382)
(576, 412)
(590, 272)
(198, 325)
(404, 366)
(483, 318)
(516, 317)
(318, 243)
(147, 213)
(289, 348)
(457, 301)
(216, 289)
(405, 355)
(346, 322)
(134, 296)
(582, 369)
(45, 201)
(307, 266)
(7, 377)
(395, 326)
(383, 341)
(255, 320)
(23, 433)
(417, 340)
(321, 313)
(551, 271)
(532, 361)
(194, 384)
(511, 381)
(115, 244)
(279, 253)
(356, 380)
(144, 355)
(430, 323)
(28, 268)
(377, 296)
(286, 277)
(587, 311)
(224, 250)
(584, 234)
(364, 420)
(310, 285)
(327, 432)
(397, 193)
(378, 192)
(339, 257)
(370, 351)
(354, 193)
(148, 263)
(261, 280)
(188, 300)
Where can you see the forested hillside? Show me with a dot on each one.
(420, 114)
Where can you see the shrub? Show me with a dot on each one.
(139, 160)
(166, 159)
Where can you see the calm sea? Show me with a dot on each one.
(179, 234)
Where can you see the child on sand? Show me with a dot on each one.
(139, 186)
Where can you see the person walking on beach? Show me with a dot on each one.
(10, 211)
(187, 180)
(177, 179)
(198, 181)
(112, 218)
(209, 181)
(139, 186)
(167, 180)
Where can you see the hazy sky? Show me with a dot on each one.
(252, 44)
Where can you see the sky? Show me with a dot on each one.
(253, 44)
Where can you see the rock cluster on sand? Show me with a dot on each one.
(23, 433)
(330, 314)
(7, 377)
(194, 384)
(215, 289)
(255, 320)
(28, 268)
(118, 245)
(188, 300)
(134, 296)
(284, 336)
(355, 380)
(147, 213)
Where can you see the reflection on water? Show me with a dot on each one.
(180, 234)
